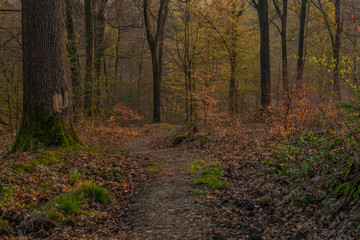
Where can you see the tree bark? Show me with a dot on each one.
(46, 119)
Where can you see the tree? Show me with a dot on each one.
(262, 8)
(282, 13)
(46, 119)
(156, 45)
(73, 58)
(188, 62)
(300, 62)
(227, 16)
(90, 56)
(99, 31)
(335, 37)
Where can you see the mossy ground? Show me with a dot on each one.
(42, 131)
(52, 188)
(209, 171)
(72, 203)
(154, 167)
(44, 157)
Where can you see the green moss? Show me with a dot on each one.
(215, 211)
(211, 181)
(43, 131)
(50, 157)
(211, 172)
(44, 157)
(155, 167)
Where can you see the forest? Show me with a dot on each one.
(180, 119)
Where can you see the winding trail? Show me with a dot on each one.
(167, 209)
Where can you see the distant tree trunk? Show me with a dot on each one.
(355, 80)
(336, 51)
(233, 60)
(89, 65)
(300, 62)
(140, 75)
(117, 59)
(73, 59)
(190, 117)
(283, 18)
(156, 44)
(46, 119)
(99, 27)
(262, 9)
(187, 76)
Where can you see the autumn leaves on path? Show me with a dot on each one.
(169, 207)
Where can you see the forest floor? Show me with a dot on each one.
(166, 184)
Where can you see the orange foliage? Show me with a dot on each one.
(207, 113)
(299, 113)
(124, 115)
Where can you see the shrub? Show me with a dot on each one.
(94, 192)
(70, 203)
(125, 116)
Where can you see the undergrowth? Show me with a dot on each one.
(329, 155)
(72, 202)
(210, 172)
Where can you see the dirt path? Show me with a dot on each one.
(167, 209)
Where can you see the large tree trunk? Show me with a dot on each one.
(89, 65)
(300, 62)
(46, 119)
(262, 10)
(71, 46)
